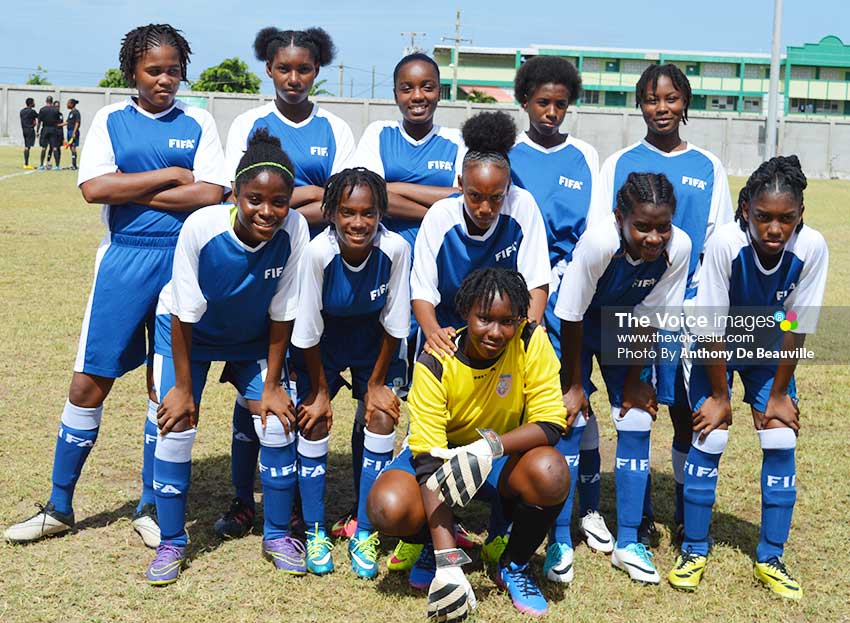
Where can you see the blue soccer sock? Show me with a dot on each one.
(148, 450)
(357, 441)
(244, 450)
(278, 475)
(700, 487)
(631, 470)
(77, 435)
(568, 445)
(172, 473)
(678, 456)
(589, 464)
(647, 497)
(312, 470)
(377, 452)
(778, 490)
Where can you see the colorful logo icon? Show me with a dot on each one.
(787, 322)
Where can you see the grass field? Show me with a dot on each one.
(48, 236)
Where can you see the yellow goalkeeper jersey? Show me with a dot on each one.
(452, 396)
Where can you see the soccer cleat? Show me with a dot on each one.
(45, 522)
(319, 560)
(492, 550)
(288, 555)
(29, 167)
(165, 568)
(687, 572)
(648, 533)
(363, 549)
(462, 537)
(404, 556)
(596, 533)
(346, 526)
(423, 571)
(236, 522)
(775, 576)
(146, 525)
(636, 560)
(559, 563)
(41, 168)
(519, 581)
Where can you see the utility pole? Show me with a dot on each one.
(457, 40)
(339, 85)
(773, 92)
(351, 88)
(372, 96)
(412, 47)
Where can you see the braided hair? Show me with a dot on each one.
(264, 153)
(489, 136)
(411, 58)
(782, 174)
(648, 81)
(315, 40)
(482, 285)
(652, 188)
(345, 182)
(141, 39)
(540, 70)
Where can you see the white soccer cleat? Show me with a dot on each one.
(559, 563)
(636, 560)
(596, 533)
(145, 523)
(45, 522)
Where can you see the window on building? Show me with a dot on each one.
(615, 98)
(692, 69)
(721, 102)
(612, 66)
(445, 91)
(847, 76)
(590, 97)
(752, 104)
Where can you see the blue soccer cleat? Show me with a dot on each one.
(519, 581)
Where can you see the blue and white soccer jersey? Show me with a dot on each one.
(434, 160)
(134, 259)
(602, 274)
(347, 309)
(733, 279)
(703, 203)
(446, 252)
(229, 292)
(561, 179)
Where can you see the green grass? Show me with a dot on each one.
(48, 236)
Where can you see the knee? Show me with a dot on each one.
(547, 475)
(88, 391)
(395, 508)
(380, 423)
(318, 432)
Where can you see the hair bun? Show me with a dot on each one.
(489, 132)
(263, 136)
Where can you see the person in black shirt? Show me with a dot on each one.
(49, 119)
(28, 120)
(72, 128)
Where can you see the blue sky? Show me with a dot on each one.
(77, 40)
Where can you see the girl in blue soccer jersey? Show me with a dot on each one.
(319, 144)
(766, 262)
(663, 94)
(354, 313)
(151, 160)
(560, 171)
(232, 298)
(637, 262)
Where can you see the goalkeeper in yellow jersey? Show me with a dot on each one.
(482, 425)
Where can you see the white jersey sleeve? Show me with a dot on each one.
(454, 135)
(187, 299)
(368, 153)
(208, 165)
(98, 157)
(721, 211)
(437, 222)
(237, 141)
(591, 258)
(711, 303)
(309, 324)
(665, 298)
(344, 144)
(807, 297)
(602, 193)
(284, 303)
(533, 252)
(395, 316)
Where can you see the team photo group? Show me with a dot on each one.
(465, 271)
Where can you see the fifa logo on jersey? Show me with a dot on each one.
(693, 181)
(181, 143)
(166, 489)
(279, 472)
(634, 465)
(568, 183)
(441, 165)
(80, 442)
(643, 283)
(571, 459)
(786, 482)
(781, 295)
(312, 472)
(379, 291)
(700, 471)
(273, 273)
(506, 252)
(316, 150)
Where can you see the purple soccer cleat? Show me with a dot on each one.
(165, 568)
(288, 555)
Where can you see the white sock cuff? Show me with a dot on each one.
(580, 421)
(715, 442)
(678, 459)
(590, 437)
(313, 449)
(374, 442)
(175, 447)
(81, 418)
(777, 439)
(152, 407)
(636, 420)
(273, 436)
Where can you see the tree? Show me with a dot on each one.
(230, 76)
(478, 97)
(113, 79)
(318, 88)
(38, 77)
